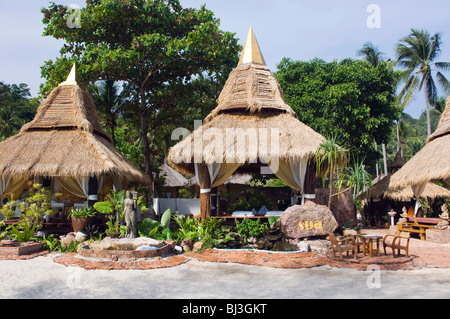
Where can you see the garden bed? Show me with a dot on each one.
(11, 249)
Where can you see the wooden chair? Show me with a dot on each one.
(343, 244)
(397, 242)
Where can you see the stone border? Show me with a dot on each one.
(73, 259)
(120, 254)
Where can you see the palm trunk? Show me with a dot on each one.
(427, 108)
(384, 159)
(145, 143)
(331, 185)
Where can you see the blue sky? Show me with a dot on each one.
(298, 29)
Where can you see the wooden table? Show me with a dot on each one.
(368, 241)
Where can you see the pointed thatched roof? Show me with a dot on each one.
(432, 162)
(252, 106)
(381, 188)
(65, 139)
(172, 177)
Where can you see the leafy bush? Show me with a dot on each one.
(154, 229)
(8, 210)
(251, 228)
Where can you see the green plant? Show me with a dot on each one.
(51, 243)
(8, 210)
(71, 248)
(251, 228)
(112, 227)
(25, 235)
(187, 228)
(87, 211)
(154, 229)
(34, 207)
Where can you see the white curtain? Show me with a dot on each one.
(4, 182)
(417, 191)
(218, 172)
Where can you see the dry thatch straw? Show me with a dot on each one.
(251, 123)
(432, 162)
(381, 188)
(172, 177)
(65, 139)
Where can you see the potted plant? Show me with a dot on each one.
(82, 217)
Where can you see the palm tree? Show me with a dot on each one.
(109, 102)
(417, 53)
(371, 54)
(330, 155)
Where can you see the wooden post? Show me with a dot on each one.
(205, 191)
(310, 181)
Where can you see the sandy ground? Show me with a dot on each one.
(42, 278)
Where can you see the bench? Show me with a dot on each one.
(417, 226)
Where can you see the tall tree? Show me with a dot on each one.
(417, 53)
(147, 44)
(350, 99)
(374, 56)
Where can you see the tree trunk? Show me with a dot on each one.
(205, 191)
(398, 138)
(376, 165)
(331, 185)
(145, 144)
(384, 159)
(427, 108)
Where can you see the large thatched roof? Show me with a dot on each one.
(432, 162)
(65, 139)
(251, 122)
(381, 188)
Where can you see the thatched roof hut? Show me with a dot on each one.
(172, 177)
(430, 163)
(251, 127)
(65, 141)
(381, 188)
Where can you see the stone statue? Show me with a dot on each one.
(443, 223)
(130, 215)
(403, 216)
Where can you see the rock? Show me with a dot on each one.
(284, 246)
(80, 236)
(308, 220)
(197, 246)
(68, 238)
(146, 247)
(125, 243)
(187, 245)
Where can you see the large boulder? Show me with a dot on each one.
(308, 220)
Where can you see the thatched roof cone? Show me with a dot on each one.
(172, 177)
(65, 139)
(252, 107)
(381, 188)
(432, 161)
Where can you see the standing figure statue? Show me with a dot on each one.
(130, 215)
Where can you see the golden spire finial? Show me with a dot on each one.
(251, 52)
(71, 79)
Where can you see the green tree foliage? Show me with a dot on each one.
(147, 44)
(350, 99)
(16, 108)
